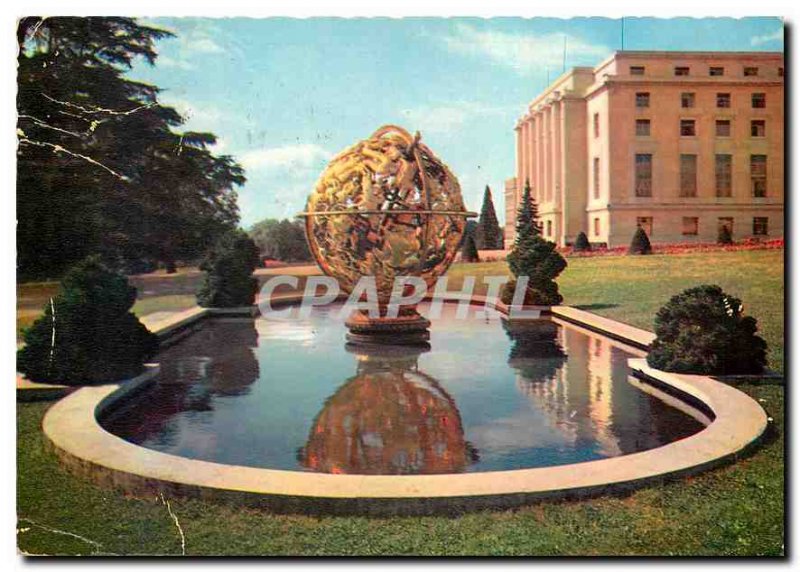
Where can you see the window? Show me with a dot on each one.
(758, 128)
(687, 100)
(646, 222)
(644, 175)
(723, 127)
(642, 127)
(716, 71)
(687, 128)
(681, 70)
(643, 99)
(549, 228)
(690, 225)
(760, 225)
(596, 125)
(759, 100)
(758, 175)
(723, 100)
(637, 70)
(750, 71)
(596, 224)
(688, 176)
(725, 221)
(780, 72)
(596, 177)
(723, 170)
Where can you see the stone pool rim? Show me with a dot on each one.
(86, 448)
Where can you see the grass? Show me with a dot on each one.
(737, 510)
(157, 292)
(734, 510)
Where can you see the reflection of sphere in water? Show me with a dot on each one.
(383, 195)
(388, 420)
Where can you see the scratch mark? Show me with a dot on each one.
(92, 109)
(53, 336)
(96, 545)
(59, 149)
(177, 524)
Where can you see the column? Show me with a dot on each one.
(556, 146)
(547, 179)
(518, 133)
(539, 157)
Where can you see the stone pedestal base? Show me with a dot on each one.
(405, 330)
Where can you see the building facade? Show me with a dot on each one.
(679, 143)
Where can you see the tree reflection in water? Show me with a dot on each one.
(216, 361)
(390, 418)
(535, 353)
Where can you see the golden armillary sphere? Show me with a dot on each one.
(385, 207)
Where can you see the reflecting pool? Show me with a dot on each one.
(488, 395)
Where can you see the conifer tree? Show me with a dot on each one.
(534, 257)
(488, 236)
(469, 252)
(724, 235)
(527, 215)
(581, 243)
(640, 244)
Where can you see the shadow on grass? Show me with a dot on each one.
(598, 306)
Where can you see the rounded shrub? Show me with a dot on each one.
(469, 252)
(724, 235)
(640, 243)
(87, 333)
(581, 243)
(539, 260)
(229, 265)
(702, 330)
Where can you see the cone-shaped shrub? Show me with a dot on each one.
(581, 243)
(534, 257)
(640, 243)
(703, 331)
(724, 235)
(229, 265)
(469, 252)
(87, 333)
(489, 234)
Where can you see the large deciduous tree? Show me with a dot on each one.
(283, 240)
(102, 167)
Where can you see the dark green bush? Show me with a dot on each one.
(724, 235)
(640, 243)
(581, 243)
(469, 252)
(539, 260)
(702, 330)
(534, 257)
(87, 333)
(229, 265)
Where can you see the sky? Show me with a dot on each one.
(285, 95)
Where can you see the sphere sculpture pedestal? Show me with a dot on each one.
(387, 208)
(404, 330)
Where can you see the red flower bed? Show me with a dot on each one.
(746, 244)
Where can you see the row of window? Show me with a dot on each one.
(758, 128)
(691, 225)
(713, 71)
(757, 100)
(723, 175)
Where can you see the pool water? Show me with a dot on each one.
(488, 395)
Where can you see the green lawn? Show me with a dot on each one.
(734, 510)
